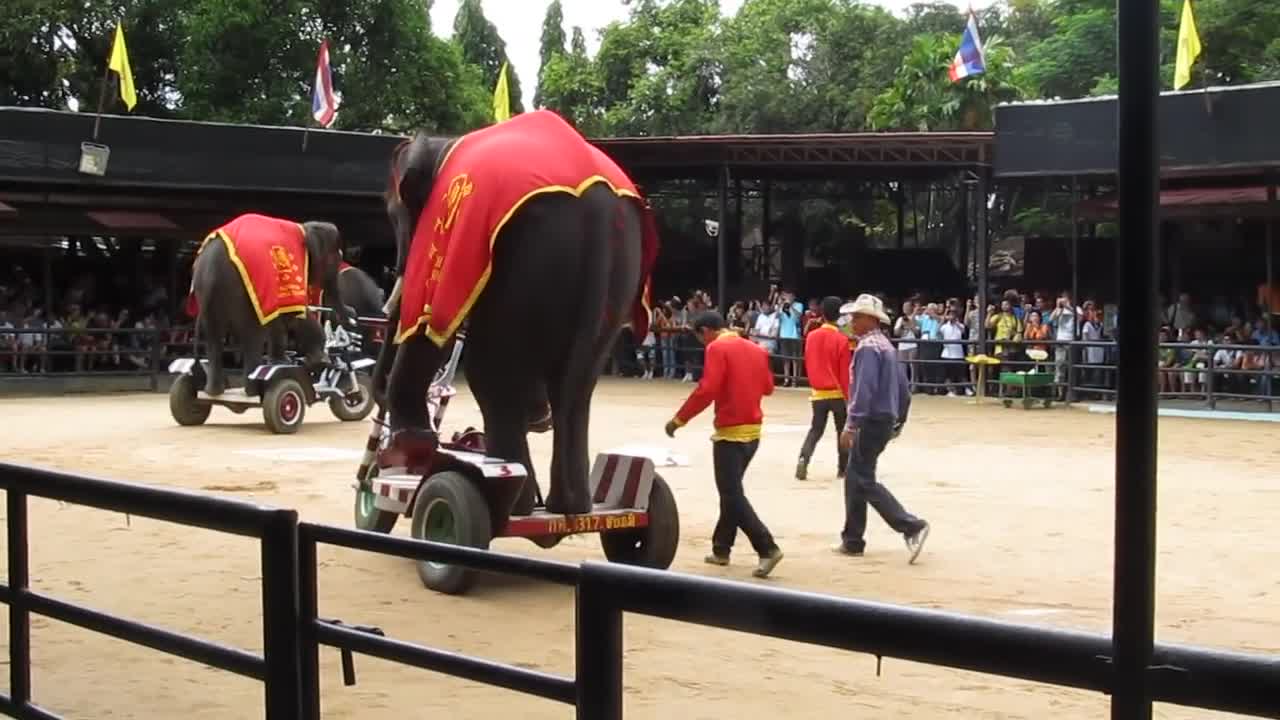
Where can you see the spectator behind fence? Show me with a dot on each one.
(790, 313)
(955, 370)
(906, 328)
(1004, 325)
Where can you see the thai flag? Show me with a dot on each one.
(324, 103)
(969, 59)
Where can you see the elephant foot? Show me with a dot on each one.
(215, 387)
(412, 448)
(561, 503)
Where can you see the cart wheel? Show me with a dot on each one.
(368, 516)
(653, 546)
(283, 406)
(450, 509)
(352, 411)
(183, 405)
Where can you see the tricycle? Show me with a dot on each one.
(283, 389)
(462, 496)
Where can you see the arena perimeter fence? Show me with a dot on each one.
(682, 354)
(293, 632)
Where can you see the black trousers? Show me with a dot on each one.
(836, 409)
(731, 460)
(861, 487)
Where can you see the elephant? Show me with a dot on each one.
(265, 253)
(360, 291)
(567, 266)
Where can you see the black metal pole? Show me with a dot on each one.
(983, 260)
(1075, 243)
(598, 639)
(308, 611)
(280, 617)
(899, 201)
(1133, 618)
(722, 248)
(1271, 257)
(19, 616)
(766, 227)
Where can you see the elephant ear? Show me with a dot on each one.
(327, 238)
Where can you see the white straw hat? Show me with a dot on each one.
(866, 304)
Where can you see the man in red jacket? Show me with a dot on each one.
(735, 376)
(828, 364)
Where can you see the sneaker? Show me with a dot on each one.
(714, 559)
(802, 470)
(842, 549)
(915, 542)
(951, 393)
(768, 563)
(968, 392)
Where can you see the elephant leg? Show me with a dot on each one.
(252, 342)
(412, 439)
(505, 394)
(570, 491)
(277, 341)
(214, 332)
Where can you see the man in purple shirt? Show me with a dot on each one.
(880, 401)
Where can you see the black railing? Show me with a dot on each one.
(1074, 376)
(293, 632)
(278, 666)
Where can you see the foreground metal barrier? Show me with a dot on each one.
(293, 632)
(278, 666)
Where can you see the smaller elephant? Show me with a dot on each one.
(250, 280)
(360, 292)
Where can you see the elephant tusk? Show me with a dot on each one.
(395, 296)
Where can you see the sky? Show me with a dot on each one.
(520, 25)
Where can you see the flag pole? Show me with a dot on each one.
(102, 97)
(306, 128)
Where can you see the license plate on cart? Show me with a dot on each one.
(548, 524)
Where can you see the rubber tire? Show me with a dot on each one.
(183, 405)
(472, 528)
(653, 546)
(340, 410)
(271, 406)
(375, 520)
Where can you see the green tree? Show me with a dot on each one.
(422, 81)
(551, 46)
(483, 47)
(34, 61)
(571, 86)
(922, 96)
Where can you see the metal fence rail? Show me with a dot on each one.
(317, 632)
(278, 667)
(293, 632)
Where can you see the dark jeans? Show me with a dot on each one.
(731, 460)
(861, 488)
(821, 409)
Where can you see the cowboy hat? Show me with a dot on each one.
(866, 305)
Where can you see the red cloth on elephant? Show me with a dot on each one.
(486, 176)
(270, 255)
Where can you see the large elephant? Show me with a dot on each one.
(542, 245)
(250, 280)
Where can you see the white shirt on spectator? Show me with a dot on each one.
(767, 331)
(952, 331)
(30, 340)
(1064, 323)
(6, 338)
(1225, 358)
(905, 331)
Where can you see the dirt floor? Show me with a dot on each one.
(1020, 502)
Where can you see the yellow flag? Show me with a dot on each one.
(502, 97)
(1188, 47)
(119, 62)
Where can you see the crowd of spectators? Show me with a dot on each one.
(1036, 330)
(86, 329)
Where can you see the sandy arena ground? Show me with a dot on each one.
(1021, 504)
